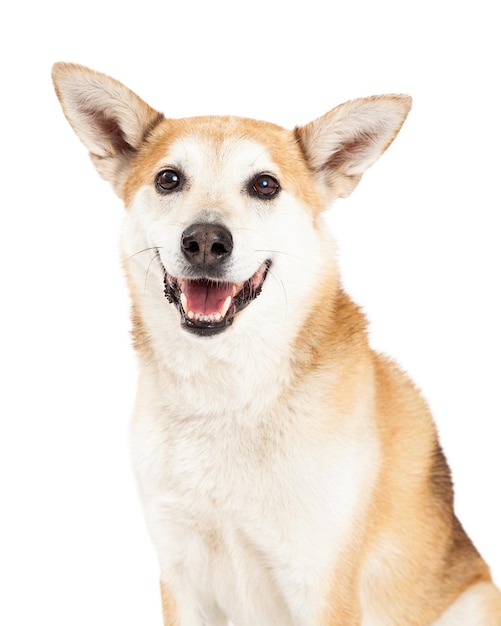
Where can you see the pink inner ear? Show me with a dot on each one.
(111, 129)
(204, 297)
(350, 150)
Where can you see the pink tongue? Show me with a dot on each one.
(204, 297)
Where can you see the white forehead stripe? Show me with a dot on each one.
(233, 156)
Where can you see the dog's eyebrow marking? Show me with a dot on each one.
(264, 153)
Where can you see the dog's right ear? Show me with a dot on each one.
(341, 145)
(110, 119)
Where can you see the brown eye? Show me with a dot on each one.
(167, 181)
(265, 186)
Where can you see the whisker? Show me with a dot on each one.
(250, 230)
(295, 256)
(280, 282)
(156, 248)
(263, 153)
(155, 256)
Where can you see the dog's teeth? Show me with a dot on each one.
(201, 317)
(226, 306)
(184, 303)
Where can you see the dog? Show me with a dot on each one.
(290, 475)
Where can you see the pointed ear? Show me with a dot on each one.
(342, 144)
(110, 120)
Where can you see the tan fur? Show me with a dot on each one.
(440, 561)
(281, 145)
(405, 559)
(168, 607)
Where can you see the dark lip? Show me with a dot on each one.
(246, 294)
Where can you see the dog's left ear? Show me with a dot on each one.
(109, 118)
(342, 144)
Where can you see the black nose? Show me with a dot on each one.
(206, 246)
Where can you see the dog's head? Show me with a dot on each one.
(219, 207)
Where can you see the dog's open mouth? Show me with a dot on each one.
(208, 306)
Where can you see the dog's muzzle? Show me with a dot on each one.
(207, 303)
(208, 307)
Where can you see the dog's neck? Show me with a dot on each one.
(223, 379)
(239, 370)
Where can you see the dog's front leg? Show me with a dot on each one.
(169, 610)
(182, 612)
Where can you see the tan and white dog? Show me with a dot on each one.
(289, 474)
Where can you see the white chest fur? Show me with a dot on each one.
(248, 510)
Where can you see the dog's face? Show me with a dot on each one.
(221, 209)
(217, 202)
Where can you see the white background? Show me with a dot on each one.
(419, 248)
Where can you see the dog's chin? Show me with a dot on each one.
(207, 306)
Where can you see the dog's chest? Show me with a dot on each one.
(255, 510)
